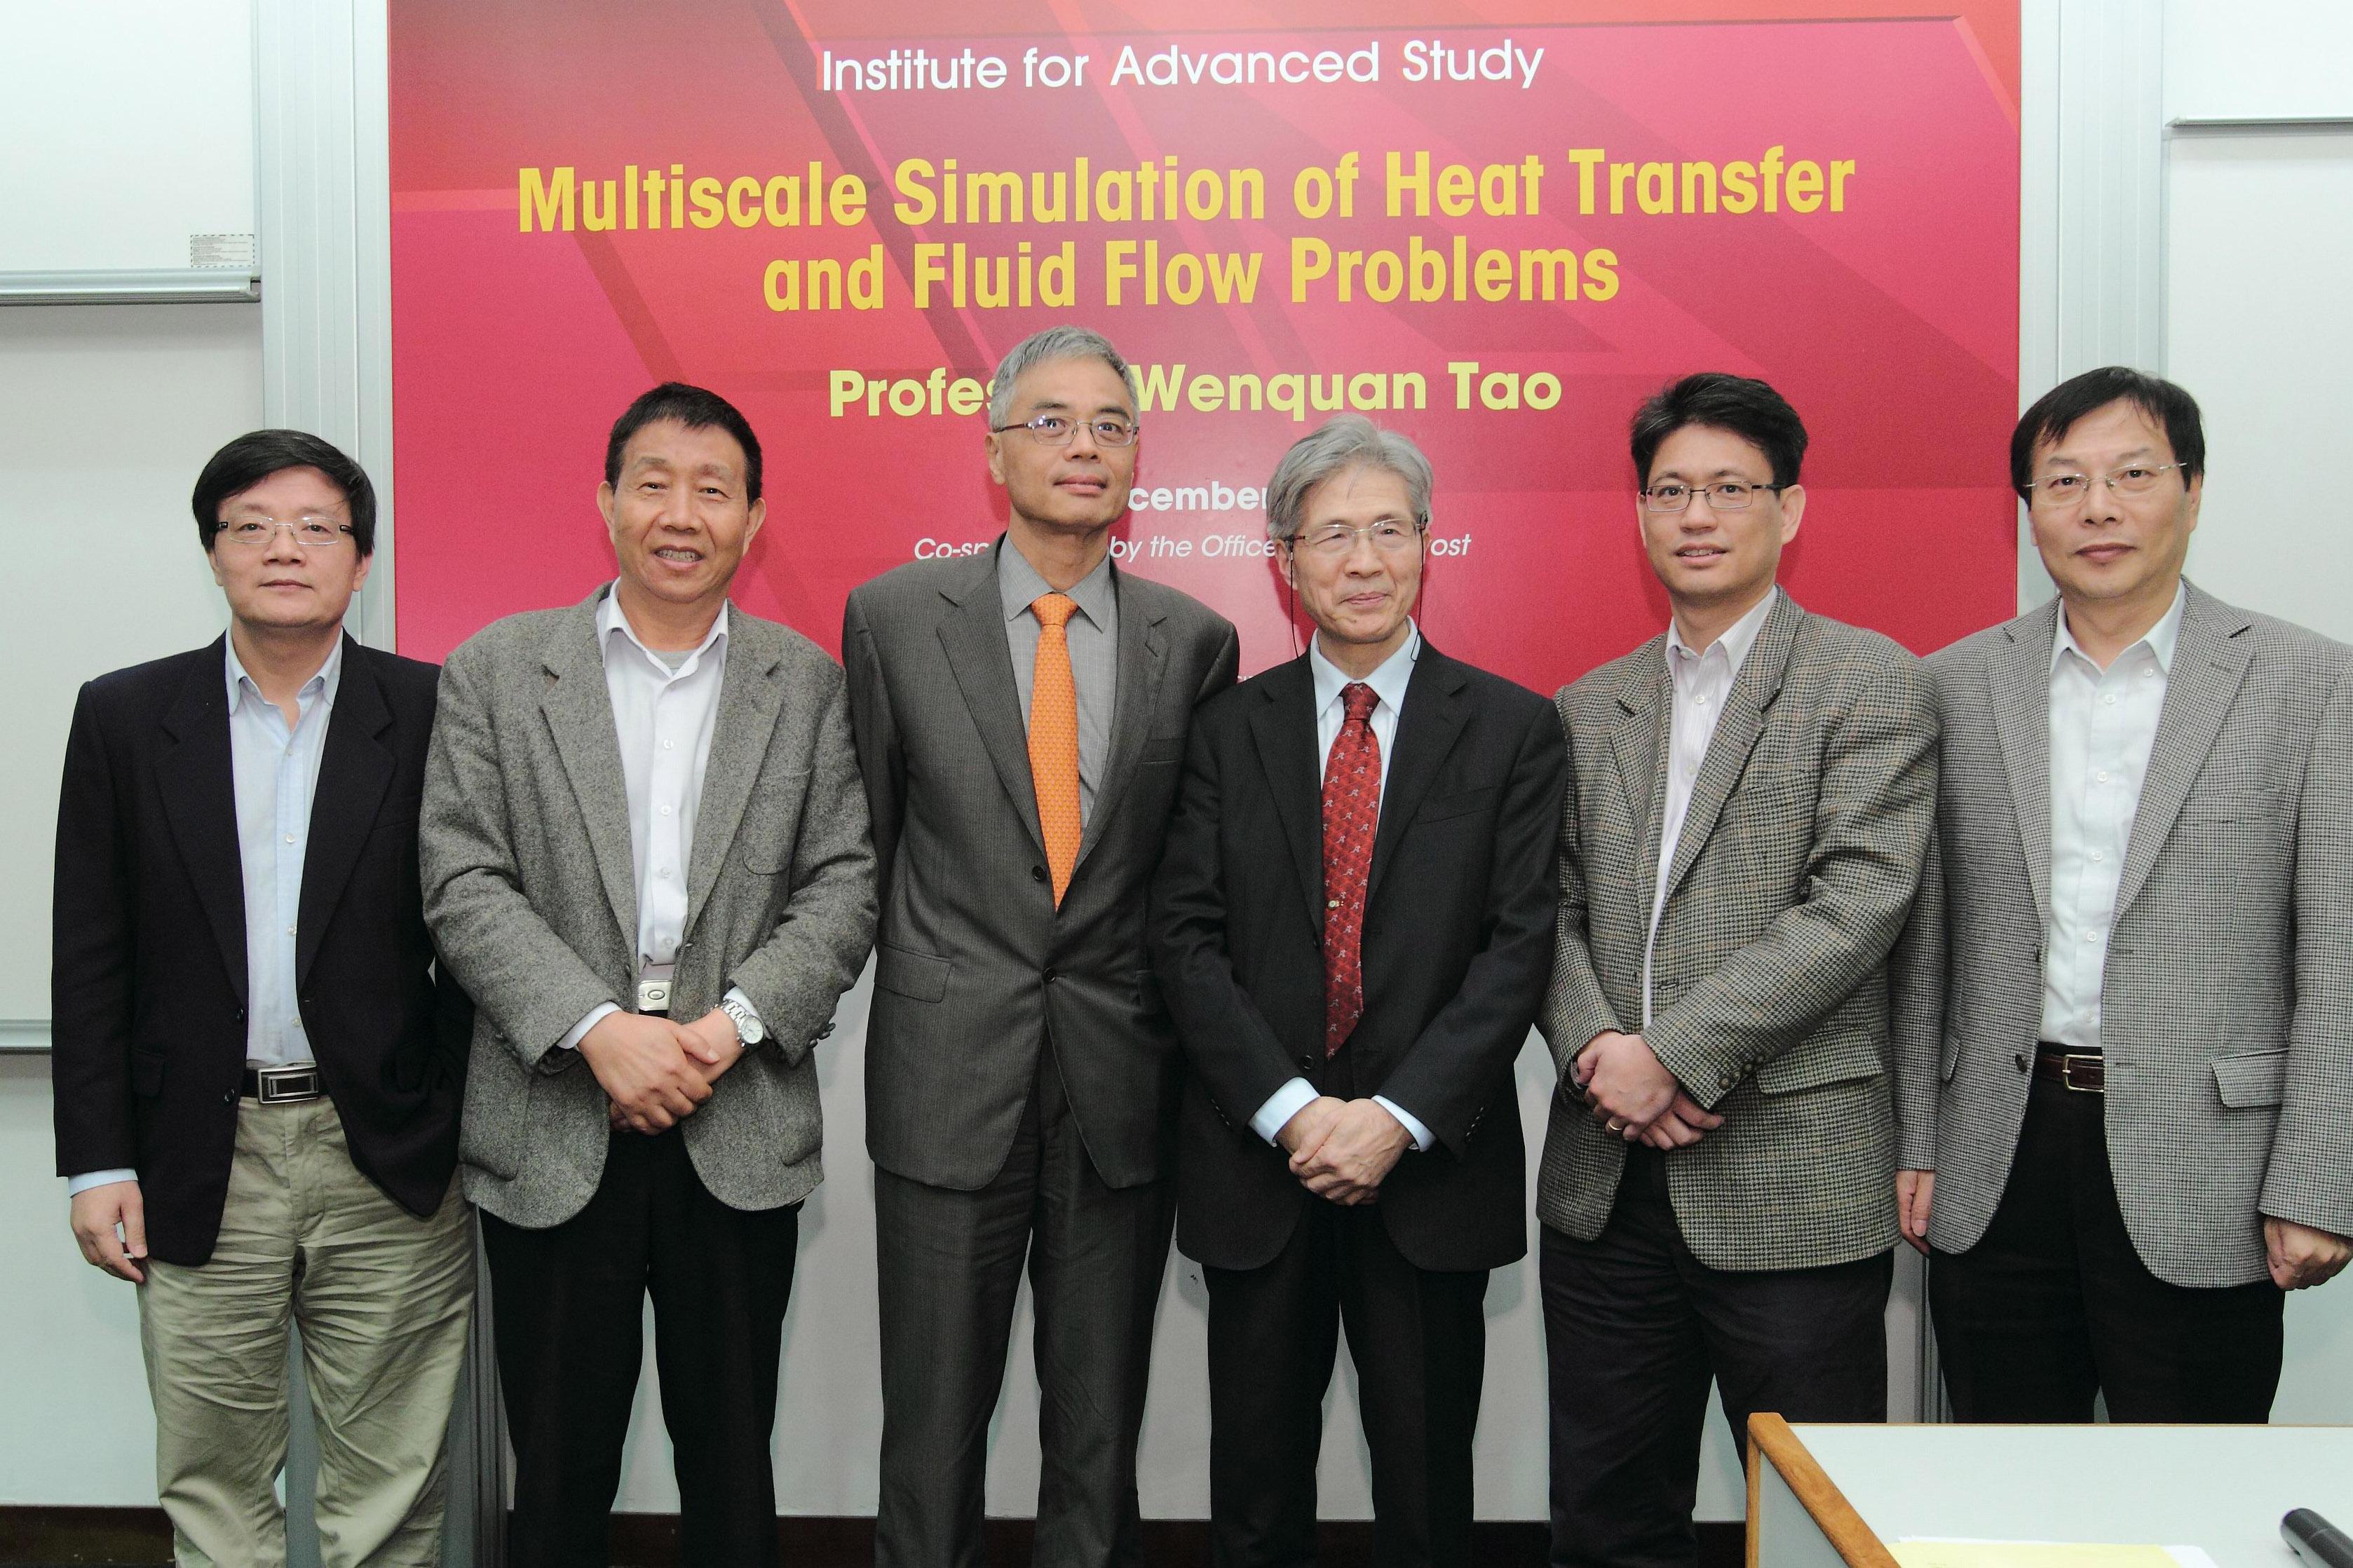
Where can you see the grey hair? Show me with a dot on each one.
(1344, 441)
(1064, 342)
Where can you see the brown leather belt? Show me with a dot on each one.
(2085, 1072)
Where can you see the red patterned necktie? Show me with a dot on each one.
(1352, 814)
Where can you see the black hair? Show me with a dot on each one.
(1747, 408)
(697, 410)
(2057, 411)
(257, 454)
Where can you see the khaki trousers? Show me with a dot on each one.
(383, 1300)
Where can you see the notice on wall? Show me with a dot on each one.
(1496, 236)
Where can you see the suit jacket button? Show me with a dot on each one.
(1306, 1064)
(228, 1097)
(1050, 977)
(240, 1015)
(2022, 1063)
(1037, 873)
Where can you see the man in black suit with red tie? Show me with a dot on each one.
(1353, 927)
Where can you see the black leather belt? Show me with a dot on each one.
(283, 1086)
(2085, 1072)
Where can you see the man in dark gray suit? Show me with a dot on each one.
(1749, 806)
(2129, 986)
(645, 854)
(1020, 715)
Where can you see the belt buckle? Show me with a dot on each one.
(279, 1085)
(2097, 1061)
(653, 995)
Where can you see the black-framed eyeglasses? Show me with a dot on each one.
(1724, 495)
(1058, 430)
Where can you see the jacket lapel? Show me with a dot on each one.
(1428, 726)
(580, 719)
(1638, 739)
(201, 804)
(1736, 729)
(1283, 726)
(2019, 679)
(1142, 657)
(973, 634)
(2209, 662)
(750, 695)
(354, 771)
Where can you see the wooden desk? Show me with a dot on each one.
(1823, 1496)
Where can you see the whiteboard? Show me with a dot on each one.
(129, 129)
(106, 414)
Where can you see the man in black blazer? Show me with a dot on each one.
(256, 1069)
(1353, 947)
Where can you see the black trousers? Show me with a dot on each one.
(1419, 1338)
(2055, 1305)
(949, 1265)
(568, 1305)
(1635, 1327)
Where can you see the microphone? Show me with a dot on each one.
(2317, 1540)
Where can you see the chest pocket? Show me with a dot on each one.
(1457, 803)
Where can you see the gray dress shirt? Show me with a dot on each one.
(1094, 637)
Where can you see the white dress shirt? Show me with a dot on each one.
(2103, 725)
(1389, 682)
(1702, 681)
(665, 709)
(275, 772)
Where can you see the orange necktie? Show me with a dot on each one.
(1054, 739)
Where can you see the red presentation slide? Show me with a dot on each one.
(1495, 227)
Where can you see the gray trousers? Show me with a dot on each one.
(950, 1264)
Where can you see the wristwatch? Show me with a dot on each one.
(748, 1027)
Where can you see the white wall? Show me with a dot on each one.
(106, 414)
(2258, 326)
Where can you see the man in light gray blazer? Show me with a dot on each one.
(1749, 806)
(645, 855)
(1020, 715)
(2127, 1015)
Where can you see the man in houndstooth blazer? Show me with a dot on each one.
(2128, 994)
(1712, 1187)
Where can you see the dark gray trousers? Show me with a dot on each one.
(949, 1265)
(1636, 1328)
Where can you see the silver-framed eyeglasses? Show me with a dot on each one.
(1059, 430)
(311, 530)
(2065, 489)
(1724, 495)
(1389, 536)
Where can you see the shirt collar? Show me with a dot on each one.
(1388, 680)
(2160, 638)
(1737, 638)
(1017, 584)
(325, 683)
(609, 619)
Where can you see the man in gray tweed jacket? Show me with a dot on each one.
(645, 855)
(1749, 805)
(2128, 1122)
